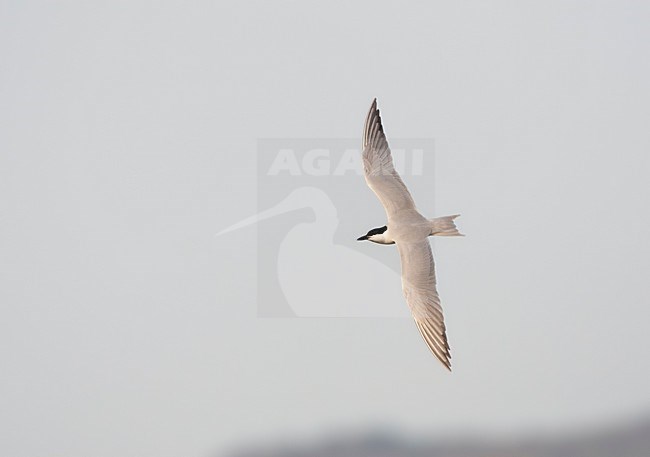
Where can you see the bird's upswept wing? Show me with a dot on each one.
(378, 166)
(419, 286)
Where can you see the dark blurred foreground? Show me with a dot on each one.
(630, 441)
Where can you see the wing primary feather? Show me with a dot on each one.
(444, 358)
(368, 124)
(439, 340)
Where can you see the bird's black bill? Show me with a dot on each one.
(362, 238)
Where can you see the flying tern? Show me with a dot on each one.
(409, 230)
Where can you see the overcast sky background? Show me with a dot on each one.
(128, 138)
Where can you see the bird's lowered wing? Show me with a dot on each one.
(419, 286)
(378, 166)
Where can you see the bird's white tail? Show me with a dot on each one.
(444, 226)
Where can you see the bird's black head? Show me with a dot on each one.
(374, 235)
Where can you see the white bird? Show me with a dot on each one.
(407, 228)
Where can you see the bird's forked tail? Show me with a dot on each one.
(444, 226)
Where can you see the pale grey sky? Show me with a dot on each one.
(129, 137)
